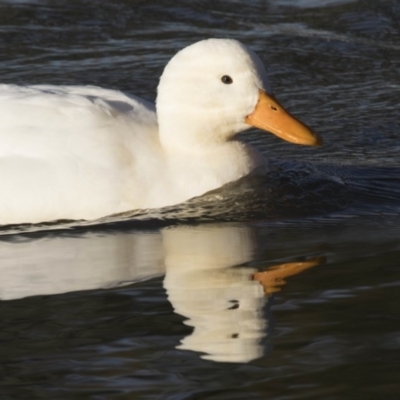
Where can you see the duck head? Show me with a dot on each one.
(216, 88)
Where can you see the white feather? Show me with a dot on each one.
(86, 152)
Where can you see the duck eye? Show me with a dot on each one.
(227, 80)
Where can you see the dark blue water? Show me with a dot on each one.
(291, 306)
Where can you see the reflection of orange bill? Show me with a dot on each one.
(270, 116)
(273, 278)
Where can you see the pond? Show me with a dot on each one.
(230, 300)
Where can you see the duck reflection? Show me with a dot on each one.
(209, 278)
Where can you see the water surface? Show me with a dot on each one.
(293, 306)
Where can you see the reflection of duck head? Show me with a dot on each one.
(223, 304)
(223, 301)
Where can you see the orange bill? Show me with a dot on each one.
(273, 278)
(270, 116)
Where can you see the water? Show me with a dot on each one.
(280, 308)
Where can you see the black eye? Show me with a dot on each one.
(226, 79)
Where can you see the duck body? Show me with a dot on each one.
(87, 152)
(84, 152)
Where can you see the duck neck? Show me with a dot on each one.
(205, 145)
(188, 137)
(219, 162)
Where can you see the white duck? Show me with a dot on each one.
(86, 152)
